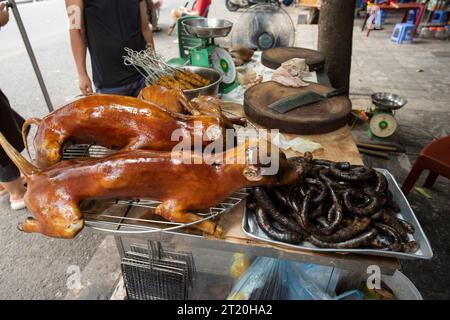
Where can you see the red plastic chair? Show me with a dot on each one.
(435, 157)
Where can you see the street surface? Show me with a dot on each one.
(33, 266)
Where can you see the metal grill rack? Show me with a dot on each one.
(152, 273)
(136, 217)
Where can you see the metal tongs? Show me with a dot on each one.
(150, 64)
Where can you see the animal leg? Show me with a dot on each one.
(50, 151)
(136, 144)
(176, 215)
(240, 121)
(184, 102)
(30, 225)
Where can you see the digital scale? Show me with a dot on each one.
(382, 123)
(210, 55)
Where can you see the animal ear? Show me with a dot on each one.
(252, 173)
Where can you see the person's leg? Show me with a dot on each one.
(9, 174)
(157, 4)
(16, 189)
(152, 16)
(155, 27)
(175, 14)
(11, 181)
(149, 10)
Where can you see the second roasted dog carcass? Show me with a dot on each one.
(117, 122)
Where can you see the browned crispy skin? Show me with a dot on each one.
(53, 194)
(207, 105)
(171, 99)
(117, 122)
(175, 100)
(212, 106)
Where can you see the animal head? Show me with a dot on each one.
(170, 99)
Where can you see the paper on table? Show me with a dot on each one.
(237, 95)
(297, 144)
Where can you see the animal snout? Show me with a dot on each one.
(73, 229)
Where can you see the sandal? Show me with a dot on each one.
(157, 29)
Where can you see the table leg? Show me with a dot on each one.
(365, 21)
(405, 16)
(419, 18)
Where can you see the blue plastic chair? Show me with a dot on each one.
(439, 16)
(403, 32)
(411, 16)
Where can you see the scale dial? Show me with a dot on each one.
(223, 62)
(383, 125)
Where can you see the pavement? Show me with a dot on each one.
(35, 267)
(420, 72)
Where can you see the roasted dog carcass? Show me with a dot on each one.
(172, 99)
(212, 106)
(54, 194)
(116, 122)
(175, 100)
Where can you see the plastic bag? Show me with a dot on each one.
(275, 279)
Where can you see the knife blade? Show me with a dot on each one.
(302, 99)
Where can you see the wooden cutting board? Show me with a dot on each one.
(320, 117)
(273, 58)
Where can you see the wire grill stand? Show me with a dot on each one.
(152, 273)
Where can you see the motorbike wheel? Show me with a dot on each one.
(231, 6)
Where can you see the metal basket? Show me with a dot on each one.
(151, 273)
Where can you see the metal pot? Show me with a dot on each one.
(210, 90)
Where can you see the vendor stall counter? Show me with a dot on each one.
(337, 146)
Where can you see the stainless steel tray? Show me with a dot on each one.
(252, 229)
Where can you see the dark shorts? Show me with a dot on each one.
(131, 89)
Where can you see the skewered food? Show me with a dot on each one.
(183, 80)
(192, 78)
(116, 122)
(178, 180)
(333, 205)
